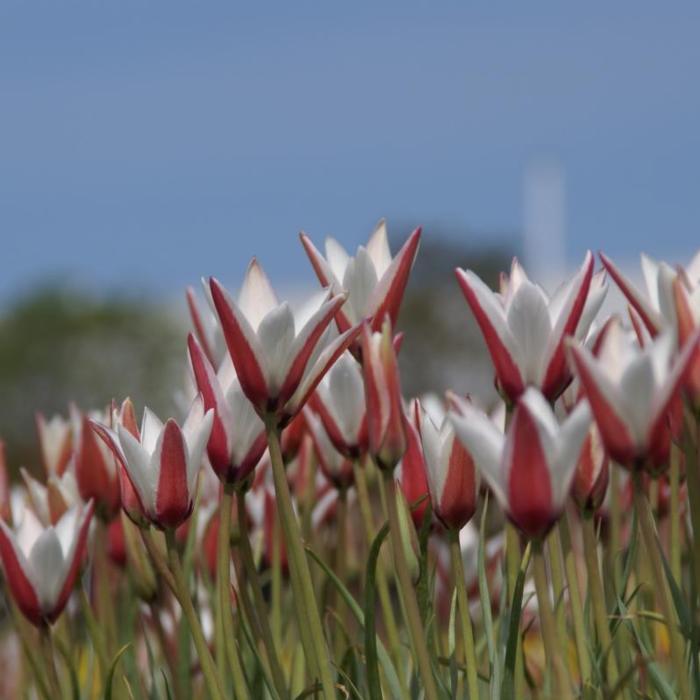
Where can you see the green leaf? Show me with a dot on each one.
(109, 680)
(68, 658)
(389, 671)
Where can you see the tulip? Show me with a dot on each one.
(524, 329)
(385, 413)
(95, 467)
(592, 473)
(55, 442)
(163, 462)
(452, 477)
(279, 356)
(530, 469)
(632, 390)
(335, 466)
(340, 402)
(52, 500)
(41, 564)
(237, 439)
(374, 282)
(412, 475)
(205, 327)
(686, 298)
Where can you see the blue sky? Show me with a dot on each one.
(143, 144)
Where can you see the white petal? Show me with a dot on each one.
(637, 388)
(529, 324)
(151, 427)
(67, 529)
(378, 249)
(245, 422)
(432, 451)
(650, 270)
(547, 426)
(345, 396)
(256, 298)
(138, 464)
(570, 439)
(196, 444)
(484, 443)
(337, 258)
(276, 334)
(359, 282)
(48, 568)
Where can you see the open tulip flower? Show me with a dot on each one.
(413, 478)
(55, 442)
(373, 280)
(163, 461)
(524, 329)
(51, 500)
(530, 469)
(592, 473)
(340, 402)
(279, 356)
(336, 467)
(237, 439)
(452, 477)
(42, 563)
(631, 390)
(385, 411)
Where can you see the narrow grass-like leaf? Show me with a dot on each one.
(484, 595)
(109, 680)
(72, 673)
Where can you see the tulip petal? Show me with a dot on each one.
(642, 306)
(198, 324)
(169, 461)
(138, 466)
(256, 298)
(492, 322)
(556, 372)
(378, 248)
(571, 436)
(16, 569)
(389, 291)
(243, 346)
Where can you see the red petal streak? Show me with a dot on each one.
(210, 389)
(686, 327)
(529, 487)
(371, 372)
(127, 415)
(22, 590)
(78, 554)
(414, 482)
(616, 436)
(298, 365)
(95, 478)
(173, 502)
(459, 496)
(388, 294)
(557, 374)
(507, 370)
(198, 324)
(641, 306)
(248, 369)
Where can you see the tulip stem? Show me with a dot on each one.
(584, 663)
(50, 660)
(692, 474)
(260, 606)
(229, 652)
(463, 603)
(340, 569)
(651, 543)
(675, 514)
(555, 659)
(415, 626)
(95, 633)
(175, 579)
(595, 587)
(557, 572)
(306, 608)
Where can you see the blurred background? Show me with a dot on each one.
(143, 145)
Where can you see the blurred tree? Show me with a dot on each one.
(443, 347)
(59, 345)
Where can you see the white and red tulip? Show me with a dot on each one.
(413, 478)
(525, 329)
(385, 412)
(531, 467)
(373, 280)
(163, 461)
(686, 299)
(237, 439)
(336, 467)
(452, 477)
(41, 563)
(592, 473)
(55, 442)
(279, 356)
(51, 500)
(631, 390)
(340, 402)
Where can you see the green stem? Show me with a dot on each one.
(675, 515)
(584, 663)
(276, 584)
(552, 650)
(646, 522)
(305, 602)
(595, 587)
(229, 652)
(555, 566)
(260, 610)
(615, 525)
(463, 603)
(95, 633)
(175, 579)
(388, 615)
(415, 626)
(692, 475)
(50, 660)
(341, 558)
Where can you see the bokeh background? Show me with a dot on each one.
(143, 145)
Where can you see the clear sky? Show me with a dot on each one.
(145, 143)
